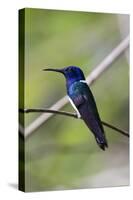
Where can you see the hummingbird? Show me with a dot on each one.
(83, 102)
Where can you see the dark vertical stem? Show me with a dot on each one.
(21, 179)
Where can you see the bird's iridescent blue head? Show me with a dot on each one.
(71, 73)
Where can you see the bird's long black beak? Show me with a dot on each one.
(54, 70)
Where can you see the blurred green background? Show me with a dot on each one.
(62, 153)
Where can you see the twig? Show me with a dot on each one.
(96, 73)
(74, 115)
(123, 132)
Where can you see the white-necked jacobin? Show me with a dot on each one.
(82, 100)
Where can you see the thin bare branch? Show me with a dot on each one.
(121, 131)
(74, 115)
(93, 76)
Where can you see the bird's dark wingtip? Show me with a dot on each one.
(102, 144)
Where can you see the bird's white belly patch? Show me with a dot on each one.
(78, 114)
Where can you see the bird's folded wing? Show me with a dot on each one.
(79, 100)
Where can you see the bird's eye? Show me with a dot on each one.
(70, 70)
